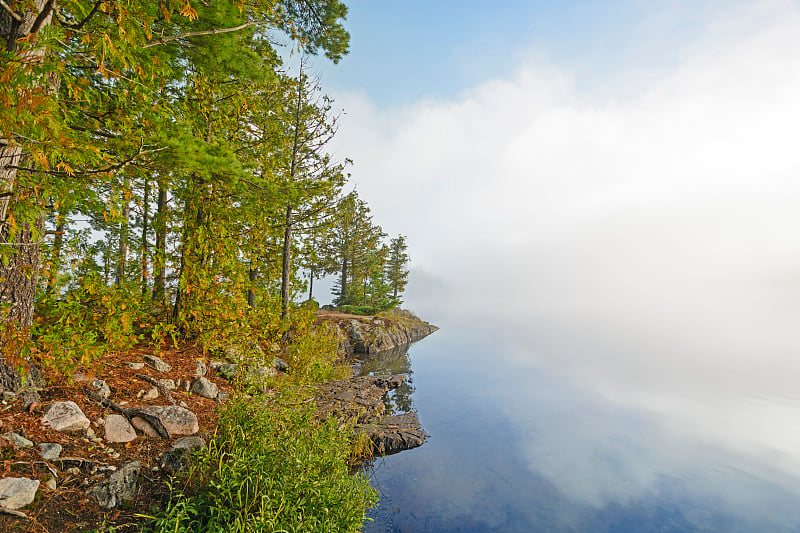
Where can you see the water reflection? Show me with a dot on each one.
(395, 361)
(530, 448)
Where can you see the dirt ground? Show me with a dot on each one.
(68, 508)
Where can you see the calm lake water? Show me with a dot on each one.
(521, 443)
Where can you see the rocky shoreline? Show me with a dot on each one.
(98, 442)
(371, 335)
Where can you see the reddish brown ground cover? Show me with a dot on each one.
(67, 508)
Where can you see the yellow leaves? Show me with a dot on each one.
(164, 11)
(6, 73)
(65, 168)
(188, 11)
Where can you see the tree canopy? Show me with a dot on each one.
(163, 173)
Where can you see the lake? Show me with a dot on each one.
(522, 441)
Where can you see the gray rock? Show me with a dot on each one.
(223, 396)
(192, 443)
(200, 368)
(135, 366)
(120, 487)
(167, 384)
(101, 387)
(228, 370)
(214, 365)
(66, 417)
(17, 440)
(205, 388)
(50, 451)
(51, 483)
(157, 363)
(90, 434)
(177, 420)
(152, 394)
(280, 364)
(17, 492)
(118, 429)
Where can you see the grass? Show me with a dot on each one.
(272, 466)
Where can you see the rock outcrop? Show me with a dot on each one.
(359, 401)
(370, 334)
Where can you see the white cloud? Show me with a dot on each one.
(649, 234)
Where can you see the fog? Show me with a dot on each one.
(640, 236)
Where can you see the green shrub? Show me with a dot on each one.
(271, 468)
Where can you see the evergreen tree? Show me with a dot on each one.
(396, 267)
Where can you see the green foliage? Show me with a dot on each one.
(363, 310)
(271, 467)
(79, 326)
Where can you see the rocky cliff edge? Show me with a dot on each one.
(373, 334)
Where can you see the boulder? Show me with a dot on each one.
(66, 417)
(280, 364)
(192, 443)
(50, 451)
(157, 363)
(177, 420)
(17, 492)
(101, 387)
(200, 368)
(120, 487)
(177, 458)
(17, 440)
(205, 388)
(135, 366)
(118, 429)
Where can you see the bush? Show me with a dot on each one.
(271, 467)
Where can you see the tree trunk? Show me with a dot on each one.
(145, 221)
(343, 283)
(18, 276)
(252, 273)
(17, 291)
(160, 282)
(58, 243)
(123, 234)
(286, 271)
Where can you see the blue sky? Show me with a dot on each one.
(407, 51)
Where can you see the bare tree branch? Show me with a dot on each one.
(165, 40)
(43, 14)
(11, 12)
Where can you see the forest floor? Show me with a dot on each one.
(68, 508)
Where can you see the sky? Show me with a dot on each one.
(613, 184)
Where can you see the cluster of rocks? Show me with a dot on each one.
(165, 421)
(359, 402)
